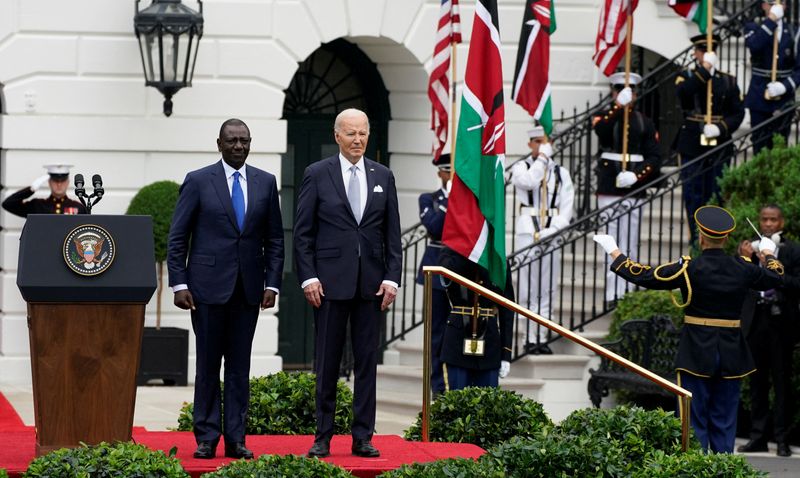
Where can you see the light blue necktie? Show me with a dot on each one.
(354, 193)
(237, 196)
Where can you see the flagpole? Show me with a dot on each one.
(453, 122)
(709, 48)
(774, 72)
(626, 109)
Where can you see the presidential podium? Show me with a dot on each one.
(87, 280)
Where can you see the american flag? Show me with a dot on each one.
(609, 47)
(448, 32)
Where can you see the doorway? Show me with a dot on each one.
(337, 76)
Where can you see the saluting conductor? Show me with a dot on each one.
(712, 354)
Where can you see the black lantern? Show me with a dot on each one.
(168, 34)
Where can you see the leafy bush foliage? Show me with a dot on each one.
(643, 304)
(121, 460)
(484, 416)
(450, 468)
(558, 455)
(284, 404)
(3, 473)
(157, 200)
(696, 464)
(635, 431)
(276, 465)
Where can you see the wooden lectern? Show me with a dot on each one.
(87, 280)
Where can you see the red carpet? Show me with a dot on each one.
(9, 419)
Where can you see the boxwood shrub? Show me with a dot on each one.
(555, 454)
(268, 466)
(635, 431)
(283, 404)
(121, 460)
(3, 473)
(696, 464)
(483, 416)
(449, 468)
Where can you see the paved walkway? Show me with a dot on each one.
(157, 408)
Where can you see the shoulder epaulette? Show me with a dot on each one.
(775, 266)
(747, 259)
(679, 79)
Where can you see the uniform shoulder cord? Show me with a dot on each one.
(682, 271)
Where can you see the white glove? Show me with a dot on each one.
(776, 12)
(547, 232)
(625, 96)
(711, 58)
(755, 244)
(505, 367)
(711, 130)
(776, 88)
(448, 186)
(546, 149)
(608, 243)
(39, 182)
(766, 245)
(626, 179)
(538, 169)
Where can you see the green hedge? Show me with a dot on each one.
(157, 200)
(121, 460)
(450, 468)
(267, 466)
(696, 464)
(3, 473)
(283, 404)
(642, 305)
(484, 416)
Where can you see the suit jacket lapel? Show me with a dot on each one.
(369, 170)
(335, 172)
(252, 190)
(220, 183)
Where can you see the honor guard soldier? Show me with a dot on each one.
(546, 195)
(476, 348)
(712, 354)
(766, 97)
(642, 165)
(432, 208)
(57, 178)
(696, 137)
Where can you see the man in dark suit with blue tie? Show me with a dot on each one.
(348, 257)
(227, 223)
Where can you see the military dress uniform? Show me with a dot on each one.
(546, 205)
(759, 39)
(432, 210)
(644, 160)
(713, 354)
(699, 181)
(494, 327)
(16, 203)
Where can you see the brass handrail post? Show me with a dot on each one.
(427, 314)
(685, 410)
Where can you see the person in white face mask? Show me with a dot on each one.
(546, 195)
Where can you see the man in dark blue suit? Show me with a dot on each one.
(348, 257)
(432, 208)
(227, 223)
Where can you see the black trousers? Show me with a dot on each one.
(440, 308)
(223, 331)
(770, 341)
(330, 329)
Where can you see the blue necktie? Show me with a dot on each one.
(237, 196)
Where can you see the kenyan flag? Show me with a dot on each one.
(694, 10)
(475, 221)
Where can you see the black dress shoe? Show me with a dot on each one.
(753, 446)
(544, 349)
(365, 449)
(320, 449)
(206, 450)
(238, 450)
(784, 450)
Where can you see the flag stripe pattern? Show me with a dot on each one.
(693, 10)
(531, 86)
(475, 220)
(609, 46)
(448, 31)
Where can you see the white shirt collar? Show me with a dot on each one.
(229, 170)
(345, 164)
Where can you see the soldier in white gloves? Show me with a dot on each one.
(546, 195)
(764, 96)
(713, 355)
(613, 182)
(699, 179)
(57, 178)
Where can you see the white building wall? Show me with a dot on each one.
(73, 92)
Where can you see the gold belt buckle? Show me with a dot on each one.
(474, 347)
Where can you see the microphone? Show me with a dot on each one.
(79, 190)
(97, 183)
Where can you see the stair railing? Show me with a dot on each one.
(684, 395)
